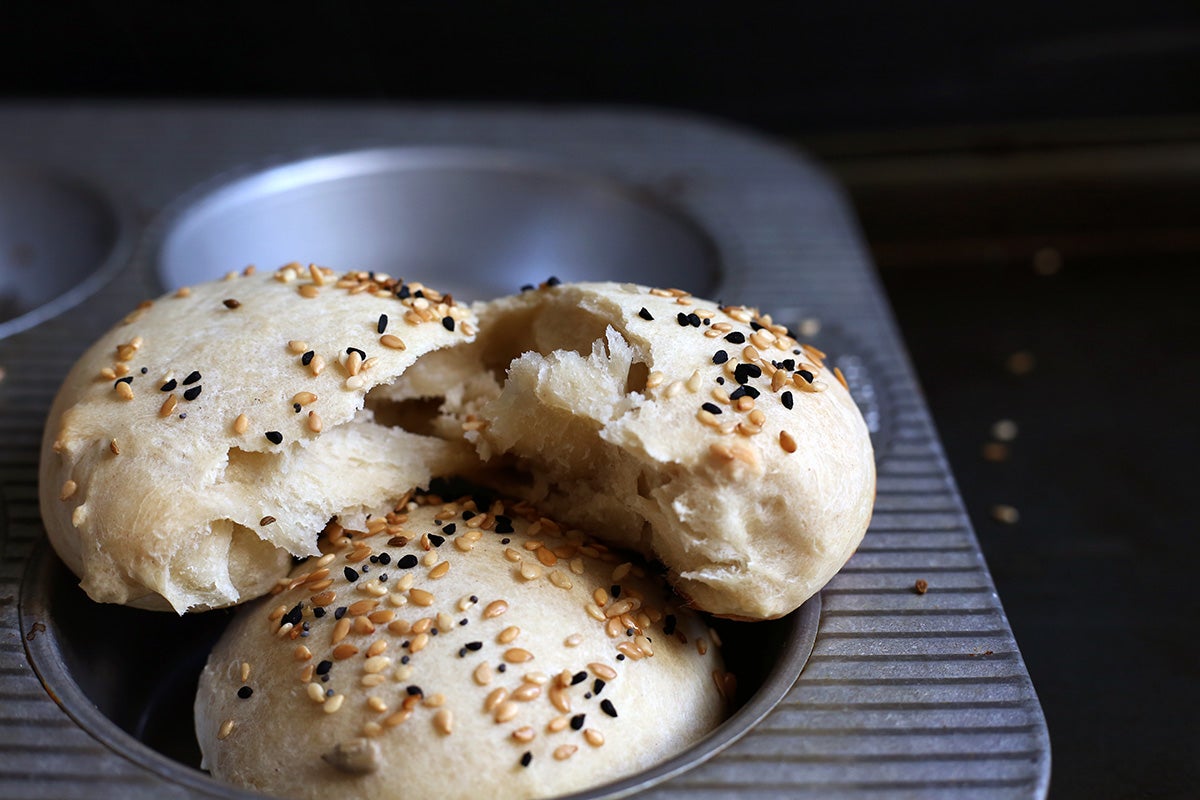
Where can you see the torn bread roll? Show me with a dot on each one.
(457, 650)
(198, 444)
(703, 436)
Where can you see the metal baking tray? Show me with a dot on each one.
(869, 690)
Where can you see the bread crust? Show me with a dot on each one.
(458, 655)
(705, 437)
(192, 450)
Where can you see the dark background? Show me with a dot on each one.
(1028, 178)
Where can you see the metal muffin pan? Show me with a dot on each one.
(904, 694)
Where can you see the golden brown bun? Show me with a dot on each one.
(495, 660)
(160, 506)
(626, 424)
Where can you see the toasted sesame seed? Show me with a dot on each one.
(376, 663)
(308, 291)
(495, 609)
(506, 711)
(344, 651)
(483, 674)
(317, 365)
(517, 655)
(654, 379)
(418, 643)
(341, 629)
(334, 703)
(526, 692)
(560, 579)
(621, 571)
(560, 699)
(495, 698)
(420, 597)
(125, 391)
(1006, 514)
(564, 751)
(602, 670)
(787, 442)
(68, 489)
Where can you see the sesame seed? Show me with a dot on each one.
(525, 734)
(334, 703)
(517, 655)
(308, 291)
(564, 751)
(124, 391)
(495, 609)
(593, 737)
(68, 489)
(737, 337)
(1006, 514)
(168, 406)
(317, 366)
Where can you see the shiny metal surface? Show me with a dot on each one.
(481, 221)
(60, 239)
(904, 695)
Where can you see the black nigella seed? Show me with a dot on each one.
(786, 399)
(385, 558)
(307, 358)
(577, 721)
(473, 646)
(803, 373)
(245, 692)
(578, 677)
(449, 529)
(415, 691)
(754, 326)
(526, 758)
(294, 615)
(527, 287)
(404, 659)
(350, 574)
(607, 707)
(127, 379)
(448, 323)
(374, 559)
(419, 293)
(433, 631)
(669, 624)
(339, 612)
(737, 337)
(620, 656)
(707, 321)
(407, 561)
(274, 437)
(467, 514)
(744, 391)
(503, 524)
(694, 319)
(552, 281)
(629, 631)
(403, 292)
(193, 393)
(788, 364)
(615, 591)
(502, 668)
(682, 319)
(383, 578)
(711, 408)
(231, 303)
(169, 386)
(505, 540)
(436, 541)
(744, 372)
(361, 354)
(462, 621)
(644, 314)
(382, 326)
(144, 370)
(192, 378)
(365, 569)
(318, 612)
(296, 407)
(720, 357)
(597, 686)
(328, 692)
(324, 667)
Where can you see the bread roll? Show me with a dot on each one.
(200, 443)
(703, 436)
(457, 650)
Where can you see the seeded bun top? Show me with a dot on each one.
(706, 437)
(202, 440)
(457, 650)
